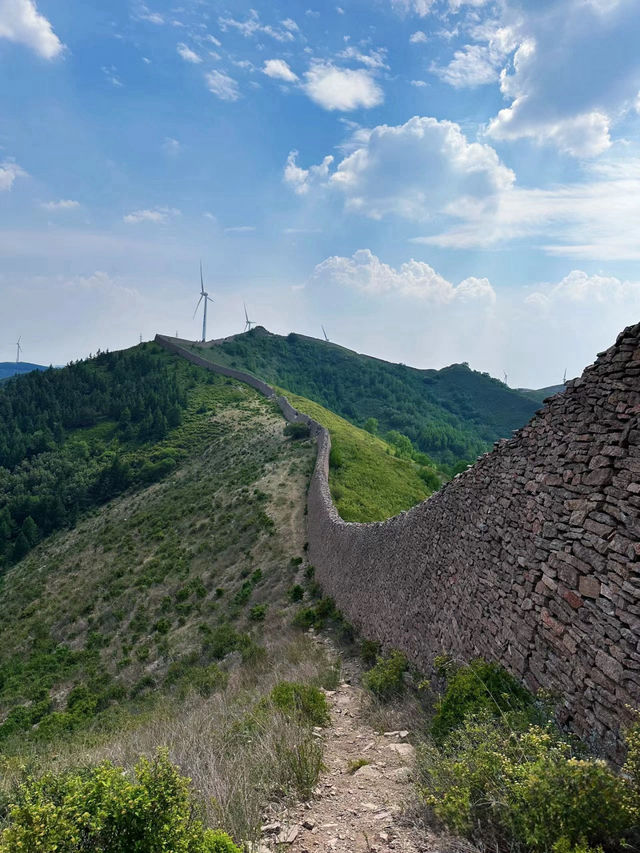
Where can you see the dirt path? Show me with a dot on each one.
(354, 812)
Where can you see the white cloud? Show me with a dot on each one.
(63, 204)
(478, 64)
(290, 24)
(110, 72)
(145, 14)
(341, 88)
(574, 75)
(418, 37)
(187, 54)
(171, 146)
(222, 86)
(374, 59)
(364, 271)
(252, 25)
(278, 69)
(416, 7)
(301, 180)
(593, 219)
(240, 229)
(9, 171)
(214, 40)
(21, 22)
(157, 215)
(416, 170)
(580, 288)
(419, 84)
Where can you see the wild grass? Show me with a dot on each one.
(241, 749)
(367, 482)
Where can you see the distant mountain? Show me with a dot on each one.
(541, 394)
(10, 368)
(451, 414)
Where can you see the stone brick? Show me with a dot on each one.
(589, 586)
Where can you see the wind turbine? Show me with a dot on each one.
(506, 378)
(325, 334)
(19, 349)
(203, 295)
(564, 378)
(248, 323)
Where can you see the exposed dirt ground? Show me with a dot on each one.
(354, 812)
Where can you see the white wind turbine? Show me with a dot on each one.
(326, 337)
(18, 350)
(248, 323)
(203, 295)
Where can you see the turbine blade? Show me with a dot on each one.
(197, 306)
(201, 279)
(246, 316)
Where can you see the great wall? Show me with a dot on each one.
(530, 558)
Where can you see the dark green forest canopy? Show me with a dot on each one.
(73, 438)
(451, 414)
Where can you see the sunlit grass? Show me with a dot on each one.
(368, 484)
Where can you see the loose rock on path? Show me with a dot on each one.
(354, 812)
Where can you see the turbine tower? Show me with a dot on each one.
(203, 295)
(18, 350)
(325, 334)
(247, 322)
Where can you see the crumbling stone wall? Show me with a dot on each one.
(530, 558)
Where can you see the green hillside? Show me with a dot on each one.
(451, 414)
(153, 608)
(368, 482)
(539, 395)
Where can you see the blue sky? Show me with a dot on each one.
(433, 180)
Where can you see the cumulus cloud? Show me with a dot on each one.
(418, 37)
(21, 22)
(222, 86)
(364, 271)
(301, 180)
(187, 54)
(415, 170)
(157, 215)
(278, 69)
(478, 64)
(9, 171)
(578, 288)
(341, 89)
(63, 204)
(563, 86)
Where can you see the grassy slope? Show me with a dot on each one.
(450, 414)
(369, 484)
(144, 582)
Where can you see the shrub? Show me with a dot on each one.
(303, 701)
(258, 612)
(103, 809)
(519, 790)
(369, 651)
(476, 688)
(296, 593)
(385, 679)
(297, 430)
(356, 764)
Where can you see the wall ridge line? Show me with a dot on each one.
(531, 557)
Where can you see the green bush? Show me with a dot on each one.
(523, 790)
(297, 430)
(385, 679)
(303, 701)
(296, 593)
(480, 687)
(369, 651)
(258, 612)
(102, 809)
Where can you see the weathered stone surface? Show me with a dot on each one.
(531, 557)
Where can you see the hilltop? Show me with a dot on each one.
(11, 368)
(450, 414)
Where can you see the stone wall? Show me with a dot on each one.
(530, 558)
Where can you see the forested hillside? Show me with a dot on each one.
(451, 414)
(73, 438)
(12, 368)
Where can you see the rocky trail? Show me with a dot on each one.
(354, 810)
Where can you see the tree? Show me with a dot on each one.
(371, 425)
(20, 547)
